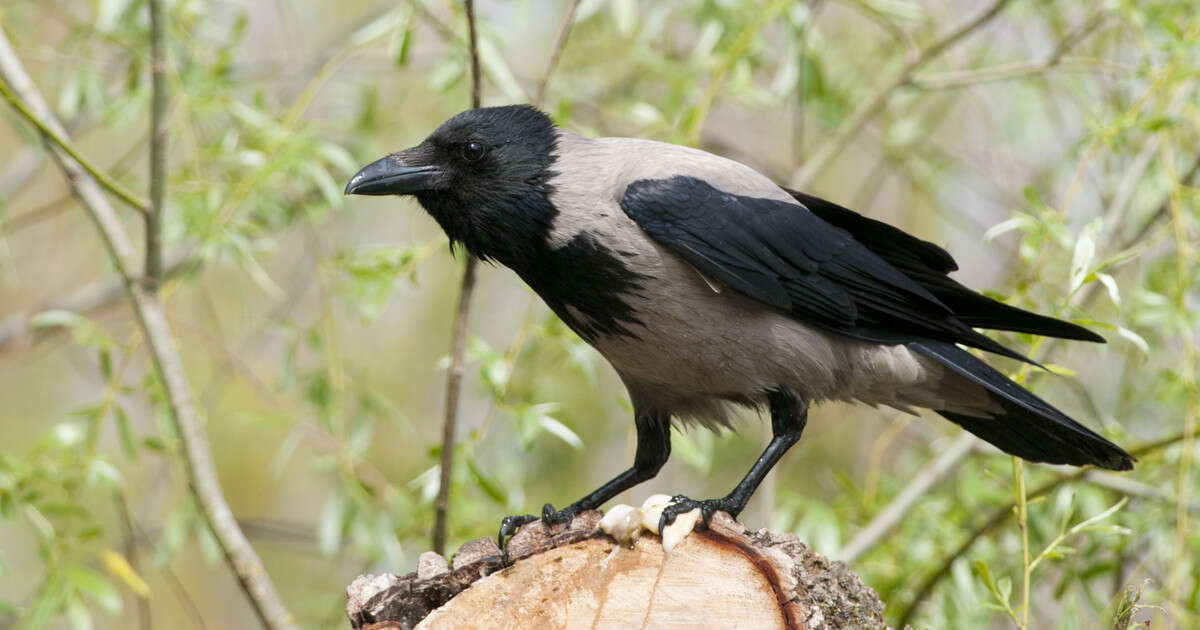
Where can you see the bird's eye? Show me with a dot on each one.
(473, 151)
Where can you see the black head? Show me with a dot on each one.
(482, 175)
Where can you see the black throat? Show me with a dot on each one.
(508, 220)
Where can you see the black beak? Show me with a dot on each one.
(391, 176)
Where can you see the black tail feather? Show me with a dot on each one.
(1026, 426)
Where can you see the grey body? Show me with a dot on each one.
(697, 345)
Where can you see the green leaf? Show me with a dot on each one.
(209, 547)
(174, 534)
(330, 525)
(490, 486)
(125, 432)
(624, 16)
(121, 569)
(371, 275)
(108, 13)
(40, 523)
(1019, 222)
(66, 434)
(1085, 254)
(1135, 339)
(78, 615)
(1060, 370)
(492, 62)
(400, 46)
(57, 317)
(324, 181)
(447, 72)
(561, 431)
(1110, 284)
(103, 474)
(95, 586)
(695, 448)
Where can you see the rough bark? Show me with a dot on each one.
(574, 576)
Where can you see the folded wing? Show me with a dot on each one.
(927, 265)
(784, 255)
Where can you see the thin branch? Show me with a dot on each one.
(892, 515)
(560, 42)
(1007, 72)
(53, 208)
(169, 575)
(1000, 515)
(363, 470)
(473, 44)
(21, 170)
(87, 299)
(1133, 488)
(130, 549)
(458, 340)
(197, 456)
(877, 102)
(158, 148)
(53, 133)
(440, 26)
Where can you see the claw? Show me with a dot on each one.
(681, 504)
(510, 525)
(550, 516)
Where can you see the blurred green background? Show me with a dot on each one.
(1050, 146)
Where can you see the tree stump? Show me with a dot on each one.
(574, 576)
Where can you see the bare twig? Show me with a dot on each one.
(878, 101)
(892, 515)
(458, 341)
(53, 208)
(1056, 59)
(52, 132)
(20, 171)
(197, 456)
(153, 269)
(1134, 488)
(438, 24)
(1000, 515)
(798, 155)
(363, 470)
(130, 549)
(88, 299)
(1008, 72)
(560, 42)
(473, 44)
(168, 574)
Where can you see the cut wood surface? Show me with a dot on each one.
(574, 576)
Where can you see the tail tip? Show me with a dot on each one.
(1115, 459)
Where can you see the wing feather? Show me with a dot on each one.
(784, 255)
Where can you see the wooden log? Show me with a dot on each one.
(574, 576)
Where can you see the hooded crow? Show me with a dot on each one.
(706, 286)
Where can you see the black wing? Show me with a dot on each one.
(927, 265)
(781, 254)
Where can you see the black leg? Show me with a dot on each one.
(653, 449)
(788, 417)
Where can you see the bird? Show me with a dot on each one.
(708, 287)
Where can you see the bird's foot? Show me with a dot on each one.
(682, 505)
(549, 517)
